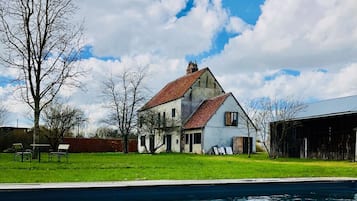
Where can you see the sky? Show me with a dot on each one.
(255, 48)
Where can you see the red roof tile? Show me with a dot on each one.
(174, 90)
(205, 111)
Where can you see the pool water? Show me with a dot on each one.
(266, 191)
(288, 197)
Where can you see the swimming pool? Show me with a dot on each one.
(292, 189)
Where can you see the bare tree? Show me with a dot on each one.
(247, 123)
(261, 116)
(106, 132)
(40, 41)
(150, 125)
(124, 94)
(60, 120)
(269, 113)
(3, 114)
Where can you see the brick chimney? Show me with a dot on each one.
(191, 68)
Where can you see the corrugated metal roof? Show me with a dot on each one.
(330, 107)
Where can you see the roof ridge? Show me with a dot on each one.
(174, 89)
(187, 75)
(209, 114)
(215, 97)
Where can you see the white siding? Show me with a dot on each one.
(196, 148)
(175, 133)
(216, 133)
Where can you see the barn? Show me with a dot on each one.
(323, 130)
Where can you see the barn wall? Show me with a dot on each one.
(330, 138)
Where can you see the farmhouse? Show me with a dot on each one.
(324, 130)
(192, 114)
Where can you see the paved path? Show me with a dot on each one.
(23, 186)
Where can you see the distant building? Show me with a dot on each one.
(324, 130)
(192, 114)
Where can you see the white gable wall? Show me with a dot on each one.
(159, 134)
(216, 133)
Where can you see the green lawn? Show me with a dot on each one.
(121, 167)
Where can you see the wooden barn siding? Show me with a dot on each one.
(99, 145)
(330, 138)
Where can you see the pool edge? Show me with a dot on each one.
(145, 183)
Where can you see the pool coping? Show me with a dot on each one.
(148, 183)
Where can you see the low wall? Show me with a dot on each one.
(99, 145)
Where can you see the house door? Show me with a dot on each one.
(152, 143)
(168, 143)
(247, 144)
(191, 142)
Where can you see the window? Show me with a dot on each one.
(173, 112)
(142, 141)
(164, 119)
(158, 119)
(164, 139)
(197, 138)
(231, 118)
(186, 139)
(141, 121)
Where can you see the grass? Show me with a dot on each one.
(122, 167)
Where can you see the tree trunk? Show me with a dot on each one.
(125, 147)
(36, 127)
(248, 139)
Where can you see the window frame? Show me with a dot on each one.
(197, 138)
(142, 142)
(164, 119)
(158, 120)
(231, 118)
(173, 112)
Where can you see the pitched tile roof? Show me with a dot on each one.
(174, 90)
(205, 111)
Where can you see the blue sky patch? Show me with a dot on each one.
(247, 10)
(185, 10)
(87, 53)
(5, 81)
(291, 72)
(322, 70)
(217, 46)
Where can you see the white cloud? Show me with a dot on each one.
(309, 84)
(131, 28)
(237, 25)
(159, 72)
(303, 35)
(298, 34)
